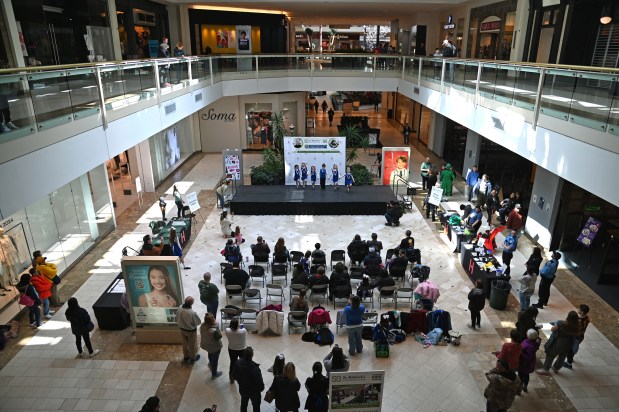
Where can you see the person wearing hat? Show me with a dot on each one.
(547, 276)
(447, 180)
(50, 271)
(148, 249)
(514, 219)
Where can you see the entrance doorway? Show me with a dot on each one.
(122, 180)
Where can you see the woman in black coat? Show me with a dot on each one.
(477, 301)
(317, 390)
(535, 260)
(286, 390)
(34, 312)
(81, 326)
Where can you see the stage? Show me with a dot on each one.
(288, 200)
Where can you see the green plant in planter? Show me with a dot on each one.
(355, 140)
(362, 175)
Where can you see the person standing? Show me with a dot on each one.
(425, 169)
(527, 357)
(222, 192)
(178, 200)
(331, 113)
(249, 377)
(559, 343)
(317, 390)
(176, 247)
(237, 342)
(430, 208)
(527, 288)
(547, 275)
(209, 294)
(477, 301)
(583, 322)
(514, 220)
(535, 260)
(354, 325)
(472, 176)
(482, 189)
(323, 176)
(162, 206)
(447, 180)
(503, 386)
(492, 202)
(188, 322)
(286, 389)
(50, 271)
(43, 287)
(210, 341)
(324, 106)
(25, 287)
(406, 132)
(509, 247)
(316, 106)
(81, 326)
(379, 163)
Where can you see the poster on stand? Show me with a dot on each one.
(589, 232)
(154, 289)
(436, 194)
(356, 391)
(314, 151)
(396, 166)
(233, 164)
(192, 202)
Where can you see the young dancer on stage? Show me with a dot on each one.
(335, 176)
(313, 176)
(348, 179)
(323, 176)
(297, 176)
(304, 175)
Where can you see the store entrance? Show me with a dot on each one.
(122, 180)
(488, 46)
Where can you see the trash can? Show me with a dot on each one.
(389, 113)
(499, 293)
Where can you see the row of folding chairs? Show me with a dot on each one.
(295, 257)
(296, 319)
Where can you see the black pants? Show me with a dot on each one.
(78, 342)
(491, 409)
(524, 378)
(234, 356)
(544, 291)
(424, 182)
(5, 114)
(475, 318)
(179, 209)
(407, 138)
(323, 182)
(507, 258)
(255, 402)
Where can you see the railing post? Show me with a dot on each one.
(257, 76)
(404, 66)
(210, 67)
(157, 83)
(442, 74)
(477, 84)
(101, 97)
(419, 74)
(189, 76)
(538, 97)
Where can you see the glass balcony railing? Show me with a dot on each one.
(39, 98)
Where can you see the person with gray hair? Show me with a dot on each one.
(209, 294)
(188, 322)
(527, 357)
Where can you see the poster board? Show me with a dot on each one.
(436, 194)
(233, 164)
(396, 164)
(154, 290)
(192, 202)
(589, 232)
(356, 391)
(314, 151)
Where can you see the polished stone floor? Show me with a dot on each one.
(40, 369)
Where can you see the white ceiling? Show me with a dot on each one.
(315, 12)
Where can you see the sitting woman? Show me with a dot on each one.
(318, 278)
(299, 303)
(238, 236)
(339, 284)
(232, 252)
(427, 290)
(226, 225)
(279, 250)
(299, 275)
(336, 361)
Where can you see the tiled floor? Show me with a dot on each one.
(43, 372)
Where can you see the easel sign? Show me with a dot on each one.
(192, 202)
(435, 196)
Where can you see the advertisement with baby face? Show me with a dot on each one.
(154, 289)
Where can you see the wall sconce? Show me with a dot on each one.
(607, 14)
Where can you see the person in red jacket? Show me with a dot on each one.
(510, 351)
(43, 287)
(514, 220)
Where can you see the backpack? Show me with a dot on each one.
(399, 335)
(308, 337)
(366, 333)
(324, 337)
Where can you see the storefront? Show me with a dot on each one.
(170, 148)
(141, 26)
(491, 30)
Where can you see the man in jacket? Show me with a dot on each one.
(249, 377)
(503, 386)
(393, 214)
(148, 249)
(372, 258)
(509, 247)
(236, 276)
(492, 204)
(547, 276)
(188, 322)
(472, 176)
(514, 219)
(477, 301)
(357, 249)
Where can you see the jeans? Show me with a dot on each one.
(78, 342)
(234, 356)
(525, 301)
(424, 182)
(45, 306)
(255, 402)
(220, 200)
(355, 343)
(390, 219)
(213, 359)
(34, 313)
(491, 409)
(211, 307)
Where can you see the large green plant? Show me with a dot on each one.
(362, 175)
(355, 139)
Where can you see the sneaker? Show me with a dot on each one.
(95, 353)
(217, 375)
(11, 126)
(468, 325)
(48, 316)
(186, 267)
(4, 129)
(542, 372)
(567, 365)
(33, 324)
(524, 388)
(51, 312)
(80, 355)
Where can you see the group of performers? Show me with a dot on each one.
(300, 177)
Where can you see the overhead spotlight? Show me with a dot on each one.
(607, 14)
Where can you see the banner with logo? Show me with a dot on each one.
(314, 151)
(356, 391)
(396, 166)
(243, 39)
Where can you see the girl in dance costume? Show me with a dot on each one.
(297, 176)
(323, 176)
(304, 174)
(348, 179)
(313, 176)
(335, 176)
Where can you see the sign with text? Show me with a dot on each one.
(589, 232)
(314, 152)
(356, 391)
(192, 202)
(435, 196)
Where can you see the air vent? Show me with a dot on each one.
(198, 97)
(171, 108)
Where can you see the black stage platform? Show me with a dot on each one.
(288, 200)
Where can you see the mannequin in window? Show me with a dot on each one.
(9, 260)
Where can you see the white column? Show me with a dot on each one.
(436, 134)
(145, 166)
(14, 44)
(520, 30)
(89, 206)
(543, 207)
(111, 11)
(471, 152)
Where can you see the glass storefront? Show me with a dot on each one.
(64, 223)
(170, 148)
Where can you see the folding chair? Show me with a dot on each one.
(281, 259)
(386, 293)
(257, 272)
(248, 315)
(356, 274)
(276, 292)
(314, 269)
(368, 299)
(253, 296)
(369, 319)
(226, 315)
(295, 257)
(233, 290)
(261, 257)
(405, 294)
(295, 289)
(319, 290)
(398, 272)
(279, 270)
(319, 261)
(338, 256)
(223, 266)
(297, 319)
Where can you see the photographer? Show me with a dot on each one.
(393, 214)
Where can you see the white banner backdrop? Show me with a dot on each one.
(314, 151)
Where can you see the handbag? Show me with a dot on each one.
(269, 396)
(25, 300)
(90, 326)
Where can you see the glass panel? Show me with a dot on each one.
(200, 69)
(487, 81)
(50, 97)
(432, 69)
(16, 113)
(470, 77)
(505, 82)
(44, 231)
(65, 214)
(459, 74)
(593, 97)
(170, 148)
(179, 73)
(557, 93)
(83, 92)
(85, 211)
(99, 193)
(525, 87)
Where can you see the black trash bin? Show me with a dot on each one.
(389, 113)
(499, 293)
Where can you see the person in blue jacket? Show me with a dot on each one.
(547, 276)
(348, 179)
(323, 176)
(472, 176)
(313, 176)
(335, 176)
(297, 176)
(304, 175)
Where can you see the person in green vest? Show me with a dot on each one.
(447, 180)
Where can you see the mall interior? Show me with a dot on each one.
(98, 126)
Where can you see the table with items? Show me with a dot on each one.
(480, 264)
(183, 231)
(109, 312)
(458, 235)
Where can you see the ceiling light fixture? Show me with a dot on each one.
(238, 9)
(607, 14)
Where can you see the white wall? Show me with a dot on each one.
(219, 125)
(542, 217)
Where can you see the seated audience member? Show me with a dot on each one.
(306, 260)
(365, 290)
(357, 249)
(260, 247)
(339, 283)
(408, 242)
(299, 275)
(318, 278)
(372, 258)
(236, 276)
(318, 255)
(400, 261)
(280, 251)
(232, 252)
(383, 279)
(377, 244)
(299, 302)
(148, 249)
